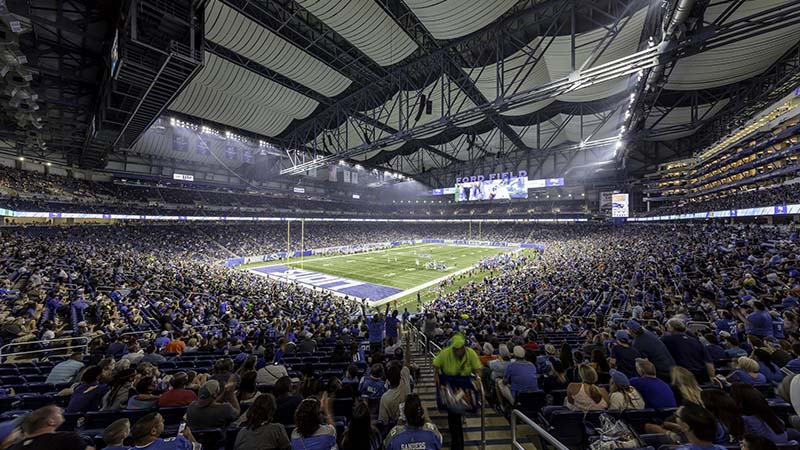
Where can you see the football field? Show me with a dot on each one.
(379, 275)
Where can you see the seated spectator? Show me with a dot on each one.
(352, 374)
(10, 432)
(177, 395)
(259, 432)
(586, 396)
(135, 353)
(600, 365)
(361, 434)
(67, 370)
(271, 372)
(115, 434)
(699, 427)
(399, 378)
(656, 393)
(746, 372)
(520, 377)
(144, 399)
(39, 432)
(88, 395)
(373, 386)
(151, 356)
(687, 351)
(766, 367)
(418, 430)
(309, 432)
(214, 407)
(176, 345)
(685, 387)
(119, 390)
(498, 366)
(287, 401)
(753, 442)
(249, 365)
(715, 351)
(730, 427)
(247, 391)
(146, 431)
(623, 395)
(759, 418)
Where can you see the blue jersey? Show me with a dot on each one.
(408, 438)
(176, 443)
(375, 331)
(371, 387)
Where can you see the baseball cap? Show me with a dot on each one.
(620, 379)
(458, 340)
(209, 390)
(504, 353)
(633, 325)
(623, 336)
(519, 352)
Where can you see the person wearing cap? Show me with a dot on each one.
(214, 407)
(520, 377)
(146, 432)
(687, 351)
(498, 366)
(39, 432)
(162, 340)
(177, 395)
(456, 360)
(623, 355)
(651, 347)
(67, 370)
(623, 395)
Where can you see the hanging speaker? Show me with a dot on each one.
(421, 108)
(429, 107)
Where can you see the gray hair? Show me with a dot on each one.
(677, 324)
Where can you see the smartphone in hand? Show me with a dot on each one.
(181, 428)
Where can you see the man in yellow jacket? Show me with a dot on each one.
(456, 360)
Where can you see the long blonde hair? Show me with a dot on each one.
(589, 378)
(686, 384)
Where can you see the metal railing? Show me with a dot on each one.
(541, 432)
(79, 343)
(430, 350)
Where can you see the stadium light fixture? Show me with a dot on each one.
(48, 164)
(22, 158)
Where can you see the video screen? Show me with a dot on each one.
(503, 189)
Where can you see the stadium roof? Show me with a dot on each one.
(420, 84)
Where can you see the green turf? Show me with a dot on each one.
(395, 267)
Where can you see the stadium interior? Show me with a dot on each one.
(399, 224)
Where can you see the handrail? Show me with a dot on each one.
(536, 427)
(71, 348)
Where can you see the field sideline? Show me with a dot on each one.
(395, 267)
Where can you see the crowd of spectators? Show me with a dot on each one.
(750, 198)
(701, 318)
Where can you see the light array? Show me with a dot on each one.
(208, 130)
(182, 124)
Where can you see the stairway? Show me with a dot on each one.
(498, 429)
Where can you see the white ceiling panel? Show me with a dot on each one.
(233, 30)
(680, 116)
(365, 25)
(449, 19)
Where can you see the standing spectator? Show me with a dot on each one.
(456, 360)
(399, 378)
(651, 347)
(259, 432)
(623, 355)
(656, 393)
(418, 432)
(429, 328)
(392, 324)
(146, 432)
(759, 322)
(688, 351)
(373, 385)
(310, 433)
(67, 370)
(214, 408)
(39, 432)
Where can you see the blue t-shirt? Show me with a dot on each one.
(406, 438)
(391, 326)
(700, 447)
(759, 323)
(176, 443)
(371, 387)
(744, 377)
(656, 393)
(716, 352)
(523, 377)
(323, 439)
(754, 425)
(375, 331)
(86, 397)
